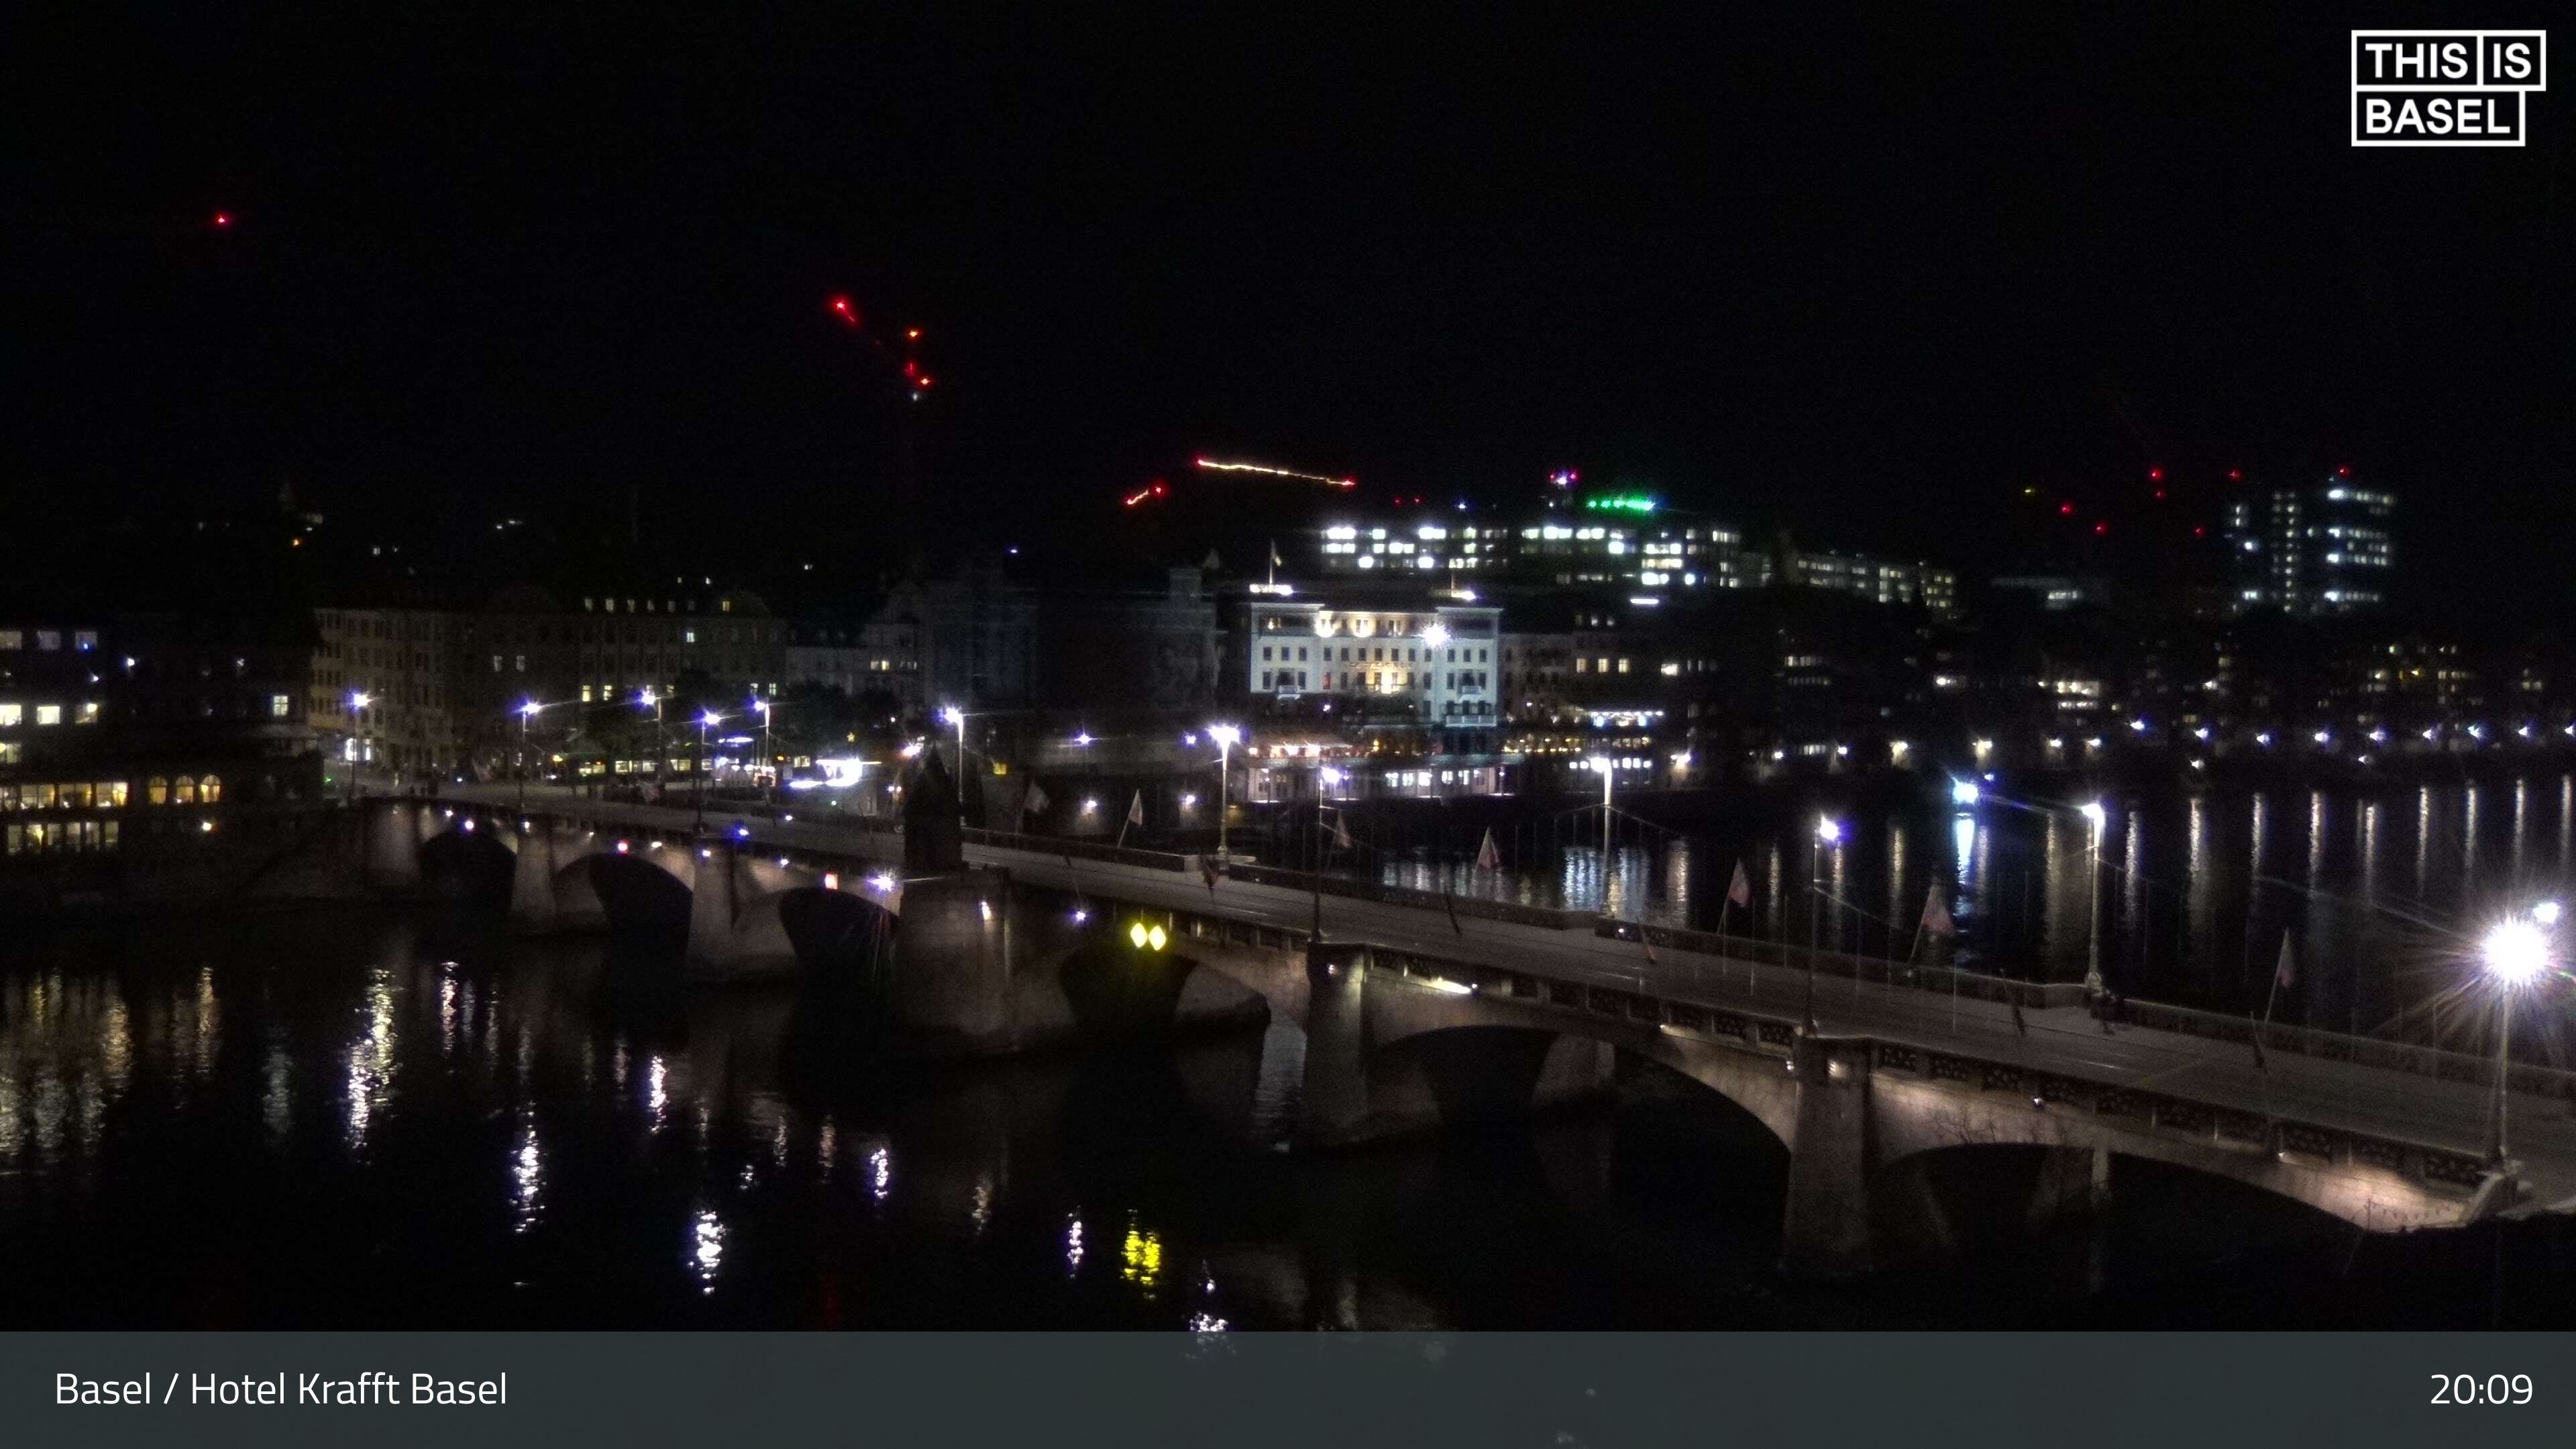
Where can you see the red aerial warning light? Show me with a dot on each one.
(2343, 472)
(912, 334)
(2199, 531)
(2155, 475)
(2235, 475)
(223, 218)
(2100, 529)
(2066, 509)
(842, 309)
(2160, 493)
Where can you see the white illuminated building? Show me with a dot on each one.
(1438, 656)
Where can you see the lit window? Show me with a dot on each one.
(210, 790)
(85, 640)
(186, 793)
(89, 711)
(156, 791)
(49, 714)
(49, 638)
(12, 715)
(277, 705)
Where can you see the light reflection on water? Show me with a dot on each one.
(2199, 888)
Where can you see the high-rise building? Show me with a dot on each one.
(2322, 549)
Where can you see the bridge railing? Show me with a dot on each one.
(1078, 849)
(1843, 965)
(2395, 1056)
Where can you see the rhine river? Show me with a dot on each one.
(372, 1117)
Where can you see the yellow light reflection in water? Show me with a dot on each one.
(1141, 1259)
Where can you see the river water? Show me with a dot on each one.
(2376, 890)
(370, 1117)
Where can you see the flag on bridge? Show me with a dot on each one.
(1936, 916)
(1739, 891)
(2286, 974)
(1341, 832)
(1488, 858)
(1136, 809)
(1035, 802)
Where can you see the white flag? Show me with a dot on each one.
(1341, 833)
(1136, 809)
(1489, 858)
(1036, 803)
(1936, 916)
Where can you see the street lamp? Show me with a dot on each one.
(359, 699)
(2515, 953)
(951, 714)
(527, 713)
(2094, 814)
(768, 757)
(1226, 736)
(1829, 831)
(706, 722)
(661, 742)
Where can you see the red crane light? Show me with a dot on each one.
(2155, 475)
(2066, 510)
(223, 218)
(2101, 528)
(841, 308)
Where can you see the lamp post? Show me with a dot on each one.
(768, 756)
(2094, 814)
(2515, 953)
(1829, 831)
(1225, 736)
(661, 743)
(359, 699)
(527, 712)
(956, 717)
(706, 722)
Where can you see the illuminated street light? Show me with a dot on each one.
(1227, 737)
(359, 699)
(1829, 831)
(1603, 763)
(2546, 913)
(706, 722)
(1964, 792)
(2515, 954)
(1436, 635)
(527, 714)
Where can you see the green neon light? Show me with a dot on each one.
(1621, 503)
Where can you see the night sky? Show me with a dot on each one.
(1863, 275)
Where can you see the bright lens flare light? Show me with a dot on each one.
(2515, 952)
(1213, 466)
(2094, 812)
(2546, 913)
(1829, 830)
(1964, 792)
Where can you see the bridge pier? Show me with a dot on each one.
(393, 847)
(532, 883)
(711, 908)
(1825, 1228)
(1333, 1107)
(952, 970)
(2074, 1182)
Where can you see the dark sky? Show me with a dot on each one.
(1863, 273)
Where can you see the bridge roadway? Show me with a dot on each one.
(2065, 1041)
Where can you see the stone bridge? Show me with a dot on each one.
(1406, 1038)
(967, 962)
(1398, 1042)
